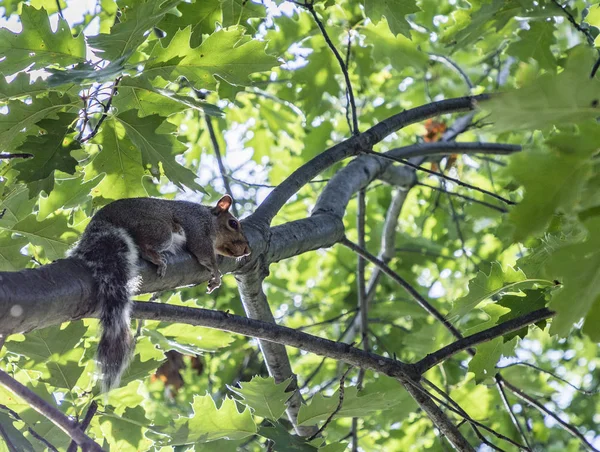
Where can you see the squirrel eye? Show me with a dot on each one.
(233, 224)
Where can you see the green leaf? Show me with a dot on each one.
(354, 405)
(120, 161)
(398, 50)
(37, 46)
(209, 423)
(65, 374)
(206, 339)
(11, 258)
(10, 433)
(124, 433)
(238, 12)
(67, 194)
(42, 345)
(87, 73)
(483, 364)
(319, 74)
(138, 93)
(52, 234)
(227, 53)
(16, 205)
(521, 305)
(22, 116)
(394, 11)
(592, 320)
(577, 267)
(490, 16)
(284, 441)
(264, 396)
(202, 16)
(535, 43)
(554, 186)
(483, 287)
(158, 148)
(21, 87)
(51, 151)
(139, 369)
(569, 97)
(130, 32)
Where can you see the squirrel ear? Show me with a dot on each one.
(224, 203)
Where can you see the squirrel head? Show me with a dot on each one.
(230, 241)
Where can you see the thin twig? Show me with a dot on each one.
(17, 155)
(541, 407)
(31, 431)
(85, 423)
(362, 300)
(96, 129)
(348, 47)
(396, 277)
(337, 409)
(215, 143)
(456, 408)
(363, 308)
(570, 18)
(511, 413)
(466, 198)
(11, 447)
(447, 61)
(443, 176)
(60, 11)
(539, 369)
(468, 342)
(309, 6)
(53, 414)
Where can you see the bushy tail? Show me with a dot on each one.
(111, 255)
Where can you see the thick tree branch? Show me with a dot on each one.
(323, 347)
(272, 333)
(352, 146)
(467, 342)
(278, 363)
(68, 426)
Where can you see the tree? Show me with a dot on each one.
(419, 184)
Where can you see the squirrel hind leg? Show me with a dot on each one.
(156, 257)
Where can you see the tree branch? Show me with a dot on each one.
(215, 143)
(17, 155)
(352, 146)
(467, 342)
(54, 415)
(272, 333)
(89, 415)
(396, 277)
(309, 6)
(540, 407)
(443, 176)
(276, 358)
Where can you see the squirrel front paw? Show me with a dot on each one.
(162, 269)
(214, 282)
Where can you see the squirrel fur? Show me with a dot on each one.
(124, 230)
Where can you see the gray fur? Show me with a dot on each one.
(127, 229)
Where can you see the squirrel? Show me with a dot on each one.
(124, 230)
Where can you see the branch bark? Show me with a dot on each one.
(68, 426)
(509, 326)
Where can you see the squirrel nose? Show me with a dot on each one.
(246, 250)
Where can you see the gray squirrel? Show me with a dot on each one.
(124, 230)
